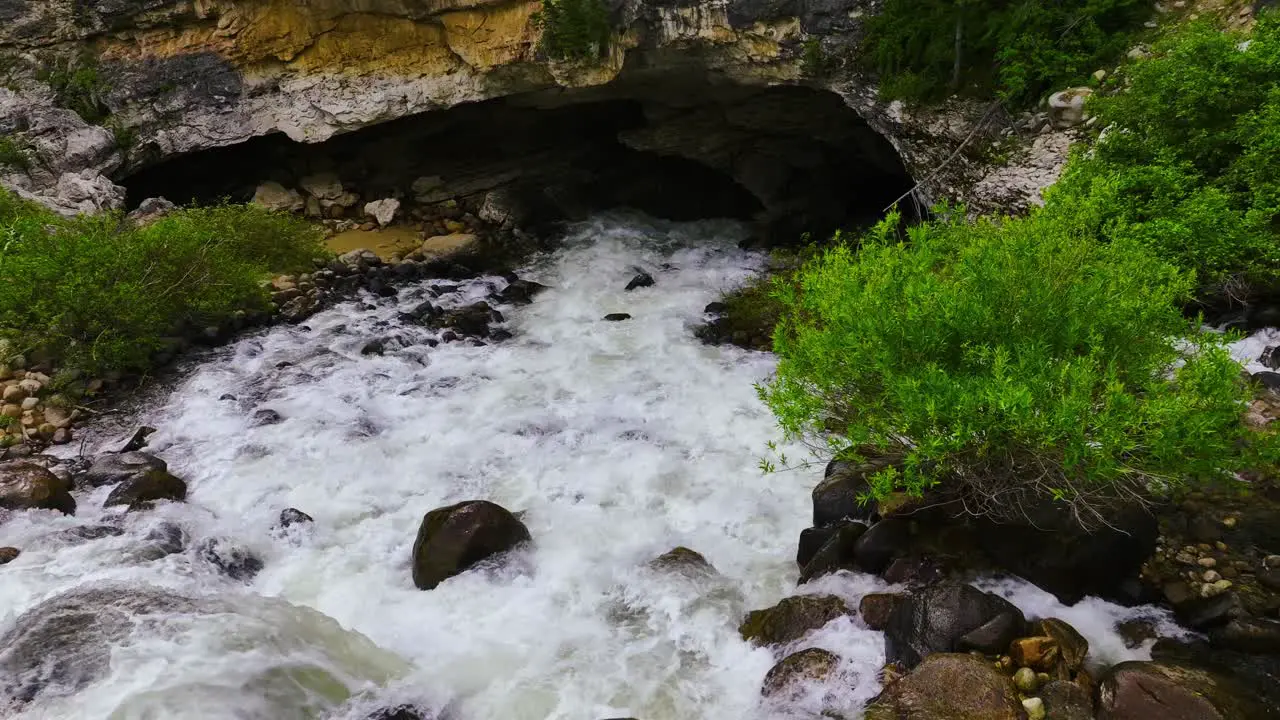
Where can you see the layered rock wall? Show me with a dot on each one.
(168, 77)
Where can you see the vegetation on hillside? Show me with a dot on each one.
(1189, 164)
(574, 29)
(1019, 358)
(927, 49)
(98, 293)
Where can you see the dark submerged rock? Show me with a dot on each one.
(266, 417)
(1050, 550)
(137, 440)
(9, 554)
(685, 561)
(232, 560)
(521, 292)
(84, 533)
(293, 516)
(455, 538)
(163, 540)
(617, 317)
(115, 468)
(881, 544)
(837, 553)
(471, 319)
(641, 280)
(941, 619)
(142, 491)
(791, 619)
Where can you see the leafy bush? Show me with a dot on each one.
(1007, 360)
(13, 154)
(78, 86)
(574, 29)
(1017, 50)
(1188, 163)
(97, 293)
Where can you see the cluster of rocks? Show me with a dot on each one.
(30, 408)
(955, 651)
(138, 482)
(1217, 565)
(432, 211)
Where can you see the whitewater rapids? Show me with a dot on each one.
(619, 441)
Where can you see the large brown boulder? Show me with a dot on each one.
(1146, 690)
(27, 486)
(147, 488)
(791, 618)
(949, 686)
(455, 538)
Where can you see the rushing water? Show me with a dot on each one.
(619, 441)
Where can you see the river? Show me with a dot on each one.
(618, 441)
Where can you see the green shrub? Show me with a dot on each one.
(574, 29)
(78, 86)
(1016, 50)
(97, 293)
(1007, 360)
(1188, 163)
(13, 154)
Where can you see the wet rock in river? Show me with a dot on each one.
(949, 618)
(796, 673)
(684, 561)
(521, 292)
(28, 486)
(233, 560)
(617, 317)
(949, 686)
(293, 516)
(143, 491)
(641, 280)
(115, 468)
(163, 540)
(9, 554)
(455, 538)
(792, 618)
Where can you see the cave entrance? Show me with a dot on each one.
(793, 160)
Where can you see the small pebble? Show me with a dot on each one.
(1206, 562)
(1271, 561)
(1222, 585)
(1222, 547)
(1211, 576)
(1228, 522)
(1034, 707)
(1025, 680)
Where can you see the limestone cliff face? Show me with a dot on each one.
(174, 76)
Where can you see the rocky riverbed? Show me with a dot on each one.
(462, 494)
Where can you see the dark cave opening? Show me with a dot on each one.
(792, 160)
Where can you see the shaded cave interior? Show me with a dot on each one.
(677, 145)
